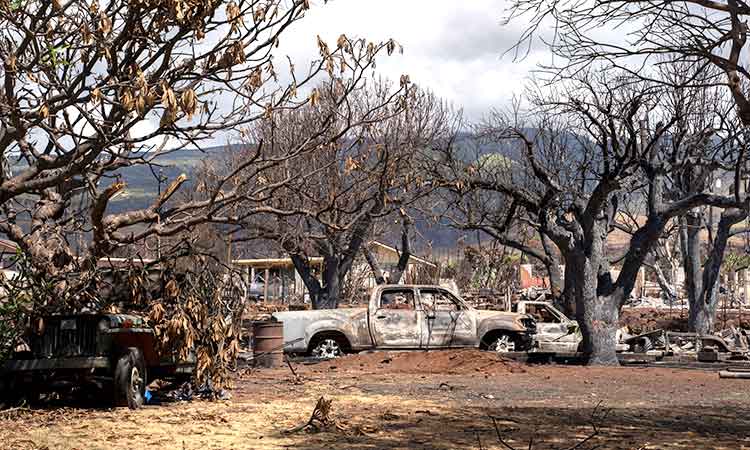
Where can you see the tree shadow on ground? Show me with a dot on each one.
(546, 428)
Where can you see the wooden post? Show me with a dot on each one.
(642, 280)
(265, 285)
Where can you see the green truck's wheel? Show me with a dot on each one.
(130, 379)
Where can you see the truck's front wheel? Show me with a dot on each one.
(130, 379)
(502, 343)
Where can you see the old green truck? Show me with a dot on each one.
(114, 353)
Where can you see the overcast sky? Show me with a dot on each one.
(455, 48)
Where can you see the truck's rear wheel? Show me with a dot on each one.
(328, 346)
(643, 345)
(130, 379)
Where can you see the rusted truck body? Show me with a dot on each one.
(405, 317)
(112, 352)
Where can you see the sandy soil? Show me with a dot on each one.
(399, 400)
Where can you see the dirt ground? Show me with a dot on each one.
(436, 400)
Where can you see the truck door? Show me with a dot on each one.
(553, 333)
(394, 321)
(446, 322)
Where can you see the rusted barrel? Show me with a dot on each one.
(268, 344)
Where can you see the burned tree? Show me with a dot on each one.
(695, 33)
(705, 146)
(91, 89)
(583, 152)
(359, 175)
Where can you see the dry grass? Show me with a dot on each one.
(649, 409)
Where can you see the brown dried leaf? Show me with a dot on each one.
(390, 46)
(188, 103)
(350, 165)
(260, 14)
(330, 66)
(127, 101)
(256, 79)
(314, 97)
(86, 35)
(234, 16)
(342, 41)
(168, 98)
(44, 111)
(171, 289)
(140, 105)
(105, 24)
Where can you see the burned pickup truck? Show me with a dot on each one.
(113, 353)
(405, 317)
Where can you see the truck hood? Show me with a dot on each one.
(486, 314)
(519, 321)
(115, 320)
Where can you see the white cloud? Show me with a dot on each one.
(454, 48)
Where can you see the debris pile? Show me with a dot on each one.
(655, 302)
(321, 420)
(729, 341)
(453, 362)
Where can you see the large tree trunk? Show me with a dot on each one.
(691, 251)
(330, 290)
(556, 286)
(598, 316)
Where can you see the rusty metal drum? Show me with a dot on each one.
(268, 344)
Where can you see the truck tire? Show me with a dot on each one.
(328, 346)
(643, 345)
(130, 379)
(502, 343)
(9, 393)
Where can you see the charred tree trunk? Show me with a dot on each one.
(330, 291)
(325, 294)
(702, 285)
(302, 265)
(372, 261)
(403, 260)
(559, 283)
(667, 286)
(404, 257)
(597, 315)
(567, 301)
(700, 316)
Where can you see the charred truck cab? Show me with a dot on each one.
(115, 353)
